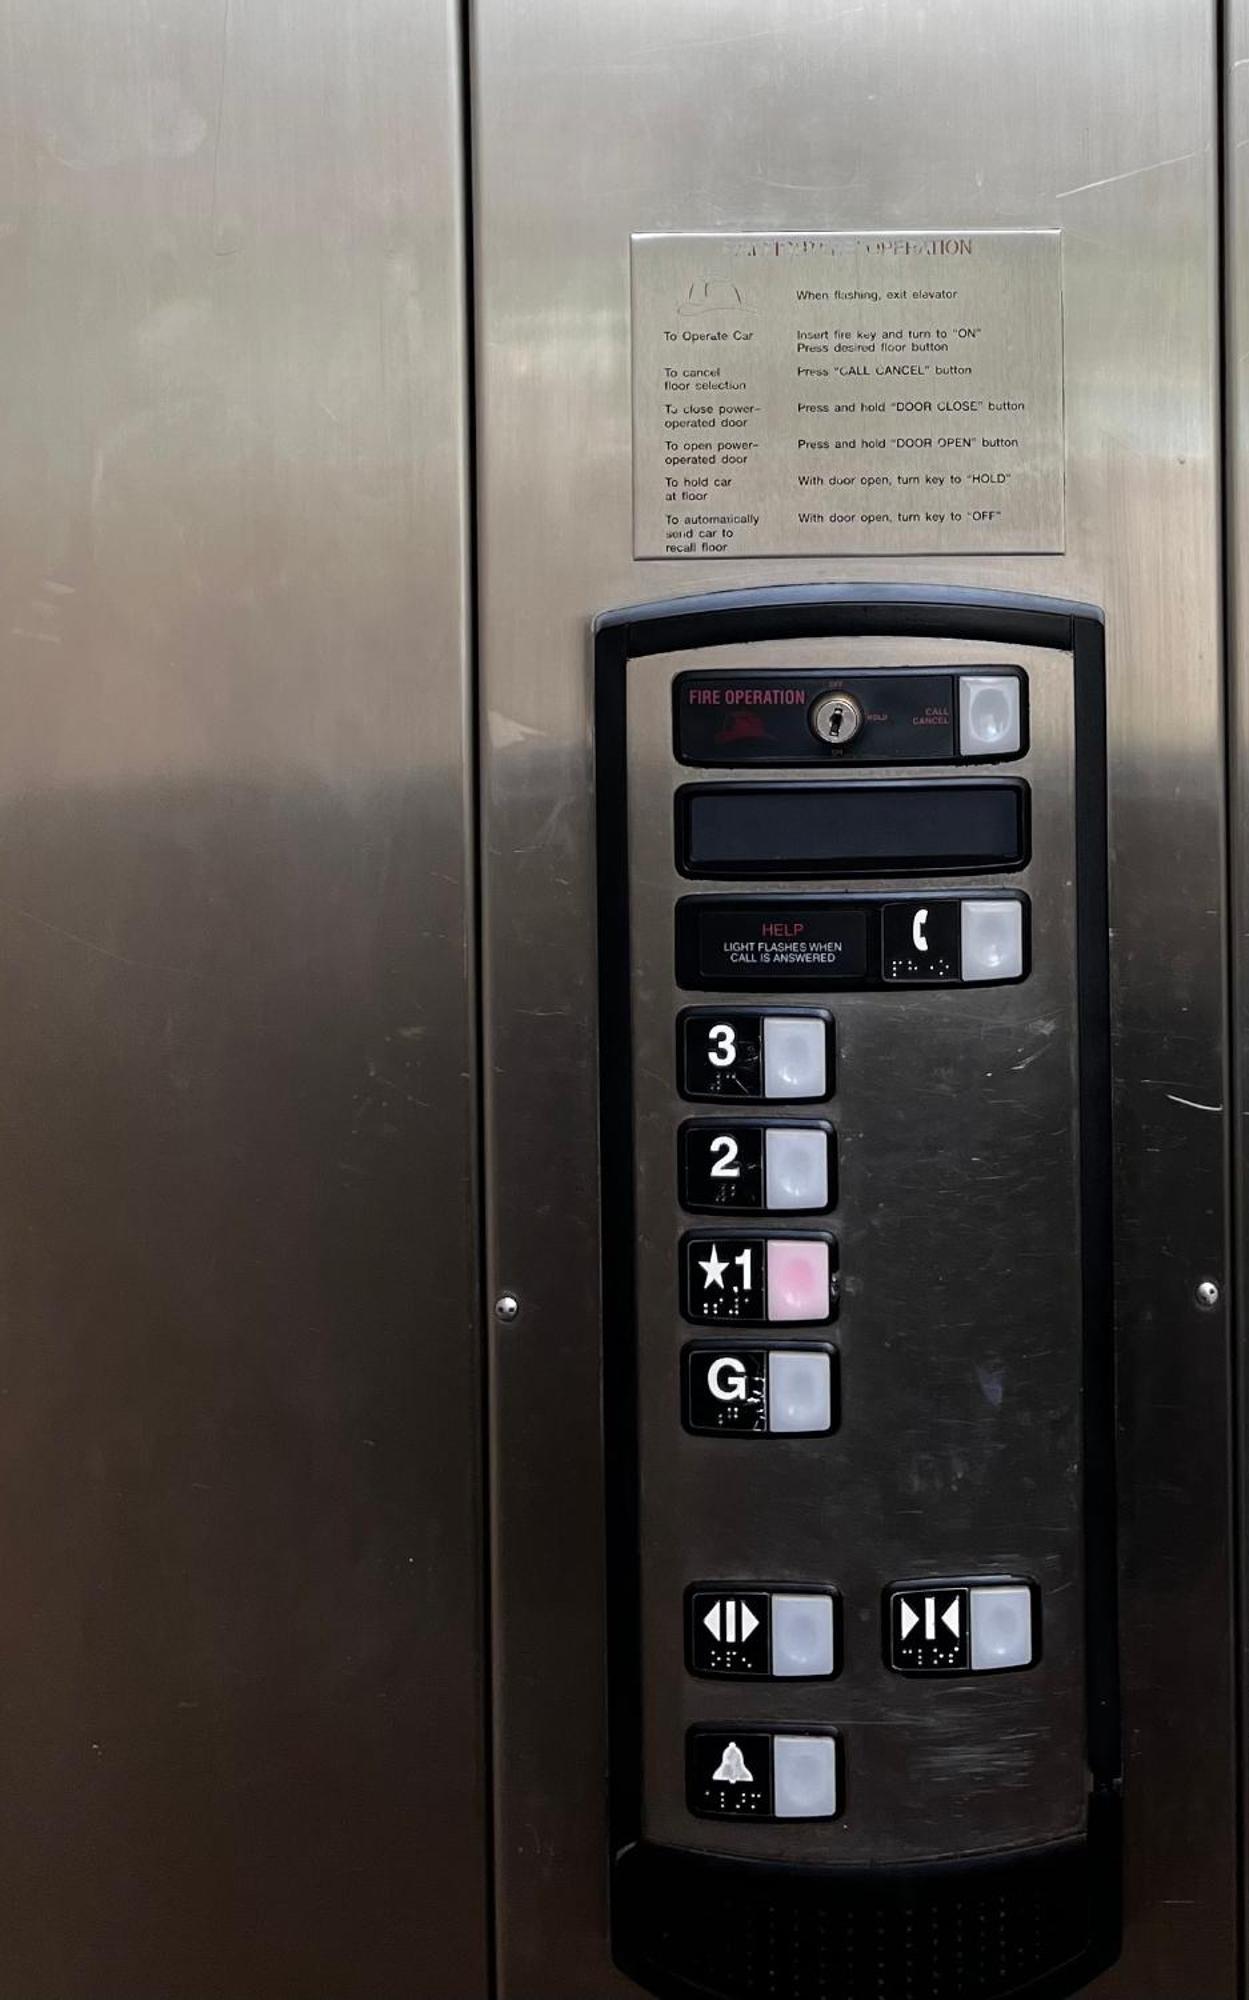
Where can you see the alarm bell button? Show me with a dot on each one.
(804, 1777)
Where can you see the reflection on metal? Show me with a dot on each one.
(240, 1721)
(1235, 167)
(790, 116)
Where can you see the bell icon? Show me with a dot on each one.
(732, 1768)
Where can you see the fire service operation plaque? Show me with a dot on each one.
(837, 394)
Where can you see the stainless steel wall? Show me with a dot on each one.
(1235, 85)
(595, 122)
(240, 1669)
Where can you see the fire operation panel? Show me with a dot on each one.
(864, 1732)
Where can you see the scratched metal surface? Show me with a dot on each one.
(239, 1652)
(1236, 170)
(592, 123)
(959, 1333)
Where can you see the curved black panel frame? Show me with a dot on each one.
(1033, 1925)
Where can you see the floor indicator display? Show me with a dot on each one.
(857, 1367)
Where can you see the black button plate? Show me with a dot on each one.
(729, 1774)
(726, 1391)
(721, 1166)
(928, 1630)
(764, 718)
(729, 1632)
(815, 943)
(921, 943)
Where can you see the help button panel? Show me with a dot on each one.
(921, 942)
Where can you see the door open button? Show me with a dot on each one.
(804, 1642)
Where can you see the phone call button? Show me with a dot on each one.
(921, 942)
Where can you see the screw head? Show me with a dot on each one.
(1208, 1294)
(507, 1306)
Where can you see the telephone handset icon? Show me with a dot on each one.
(919, 930)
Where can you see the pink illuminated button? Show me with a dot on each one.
(798, 1279)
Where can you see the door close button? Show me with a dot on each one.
(1001, 1627)
(959, 1628)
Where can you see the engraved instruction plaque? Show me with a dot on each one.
(832, 394)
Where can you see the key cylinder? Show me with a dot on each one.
(836, 719)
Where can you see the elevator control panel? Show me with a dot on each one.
(858, 1380)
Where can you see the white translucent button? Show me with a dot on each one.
(802, 1635)
(800, 1392)
(804, 1777)
(794, 1062)
(992, 939)
(797, 1279)
(795, 1167)
(989, 714)
(1001, 1626)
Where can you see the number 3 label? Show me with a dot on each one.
(722, 1049)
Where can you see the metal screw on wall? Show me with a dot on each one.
(507, 1307)
(1208, 1295)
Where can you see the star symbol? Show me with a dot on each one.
(715, 1266)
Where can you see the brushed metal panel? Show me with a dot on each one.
(593, 124)
(833, 394)
(1235, 165)
(240, 1685)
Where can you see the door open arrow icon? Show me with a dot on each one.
(731, 1621)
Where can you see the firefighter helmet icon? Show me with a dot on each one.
(709, 295)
